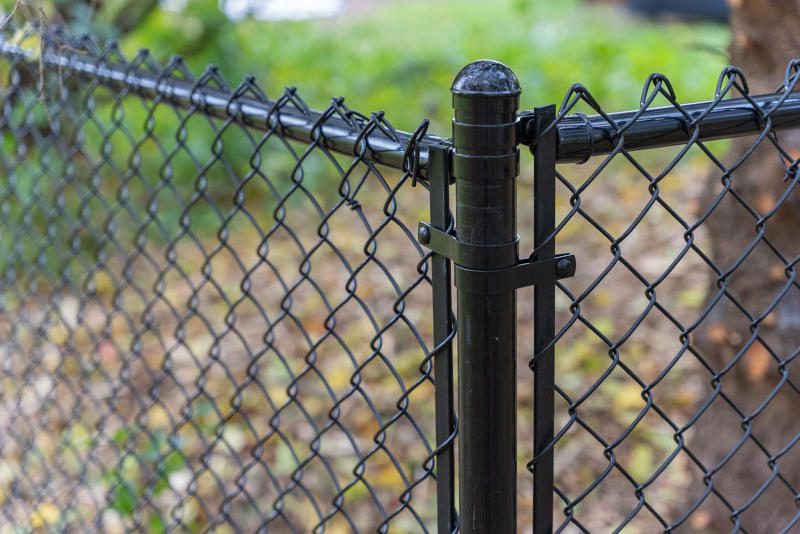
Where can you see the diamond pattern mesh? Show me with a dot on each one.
(676, 373)
(204, 325)
(208, 324)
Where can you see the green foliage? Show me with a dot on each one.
(402, 56)
(147, 468)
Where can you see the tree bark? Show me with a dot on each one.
(744, 439)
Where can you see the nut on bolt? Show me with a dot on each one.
(423, 234)
(564, 266)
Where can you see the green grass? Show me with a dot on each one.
(402, 56)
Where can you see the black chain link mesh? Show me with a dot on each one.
(207, 325)
(204, 326)
(676, 348)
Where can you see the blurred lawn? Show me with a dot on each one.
(402, 56)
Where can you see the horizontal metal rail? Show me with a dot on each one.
(336, 134)
(580, 137)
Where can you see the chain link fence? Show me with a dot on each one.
(217, 311)
(676, 342)
(206, 322)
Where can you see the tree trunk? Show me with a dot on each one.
(744, 439)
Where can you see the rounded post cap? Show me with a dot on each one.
(486, 77)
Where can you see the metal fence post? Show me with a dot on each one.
(441, 282)
(485, 165)
(544, 318)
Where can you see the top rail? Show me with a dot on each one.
(581, 137)
(334, 133)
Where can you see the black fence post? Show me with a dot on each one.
(485, 165)
(544, 318)
(441, 281)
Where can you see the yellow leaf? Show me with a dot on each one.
(339, 377)
(278, 395)
(45, 514)
(59, 334)
(603, 297)
(80, 436)
(5, 73)
(641, 461)
(103, 283)
(629, 397)
(29, 39)
(388, 477)
(157, 417)
(692, 297)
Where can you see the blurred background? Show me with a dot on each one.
(399, 55)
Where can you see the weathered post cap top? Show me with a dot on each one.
(486, 77)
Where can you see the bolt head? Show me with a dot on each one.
(564, 266)
(424, 235)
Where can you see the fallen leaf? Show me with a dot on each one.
(718, 333)
(700, 520)
(764, 203)
(756, 362)
(45, 514)
(777, 272)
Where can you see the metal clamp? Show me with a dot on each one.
(498, 276)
